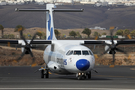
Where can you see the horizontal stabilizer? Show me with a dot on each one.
(68, 10)
(54, 10)
(31, 10)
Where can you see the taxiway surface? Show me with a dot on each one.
(20, 78)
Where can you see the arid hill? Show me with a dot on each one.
(122, 17)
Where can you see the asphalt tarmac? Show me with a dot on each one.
(24, 78)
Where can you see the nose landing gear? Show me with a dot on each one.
(45, 72)
(83, 76)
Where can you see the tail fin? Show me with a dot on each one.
(50, 8)
(50, 35)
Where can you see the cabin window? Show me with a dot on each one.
(77, 52)
(85, 52)
(90, 52)
(69, 53)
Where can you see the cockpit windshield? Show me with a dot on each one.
(77, 52)
(85, 52)
(90, 52)
(69, 53)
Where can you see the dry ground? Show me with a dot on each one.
(8, 55)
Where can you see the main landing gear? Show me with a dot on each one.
(45, 73)
(82, 76)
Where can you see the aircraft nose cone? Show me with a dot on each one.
(82, 64)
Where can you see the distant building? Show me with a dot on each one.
(97, 2)
(98, 28)
(3, 3)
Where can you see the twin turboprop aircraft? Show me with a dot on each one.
(66, 56)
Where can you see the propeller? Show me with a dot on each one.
(27, 47)
(113, 48)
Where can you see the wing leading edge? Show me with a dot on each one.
(88, 42)
(18, 41)
(109, 41)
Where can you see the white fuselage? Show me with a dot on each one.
(68, 58)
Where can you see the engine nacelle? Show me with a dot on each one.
(109, 52)
(23, 43)
(109, 42)
(26, 52)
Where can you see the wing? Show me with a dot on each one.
(122, 42)
(8, 41)
(21, 41)
(89, 42)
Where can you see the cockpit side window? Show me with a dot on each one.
(90, 52)
(85, 52)
(69, 53)
(77, 52)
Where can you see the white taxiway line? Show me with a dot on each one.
(64, 89)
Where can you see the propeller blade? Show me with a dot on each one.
(23, 37)
(106, 51)
(22, 55)
(113, 53)
(21, 34)
(107, 44)
(30, 53)
(33, 38)
(19, 46)
(111, 33)
(119, 50)
(117, 44)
